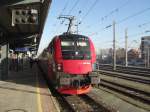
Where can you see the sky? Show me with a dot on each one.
(96, 17)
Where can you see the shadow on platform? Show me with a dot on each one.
(26, 81)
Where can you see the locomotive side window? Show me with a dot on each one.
(51, 46)
(76, 48)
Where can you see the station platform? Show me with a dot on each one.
(26, 91)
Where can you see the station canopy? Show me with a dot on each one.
(22, 22)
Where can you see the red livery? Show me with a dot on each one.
(68, 63)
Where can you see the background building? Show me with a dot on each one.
(145, 46)
(145, 50)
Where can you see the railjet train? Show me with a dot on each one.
(67, 63)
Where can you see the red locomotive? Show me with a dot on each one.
(68, 62)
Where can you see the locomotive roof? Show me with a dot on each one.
(73, 36)
(70, 36)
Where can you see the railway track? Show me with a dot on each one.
(62, 105)
(128, 67)
(128, 70)
(143, 96)
(84, 103)
(131, 72)
(136, 86)
(141, 79)
(128, 91)
(133, 96)
(76, 103)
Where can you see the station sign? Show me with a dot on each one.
(22, 49)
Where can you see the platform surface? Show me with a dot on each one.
(25, 91)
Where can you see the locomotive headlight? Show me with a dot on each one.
(32, 19)
(18, 20)
(59, 67)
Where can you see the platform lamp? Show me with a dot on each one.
(24, 16)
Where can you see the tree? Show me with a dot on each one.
(133, 54)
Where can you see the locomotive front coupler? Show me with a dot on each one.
(94, 78)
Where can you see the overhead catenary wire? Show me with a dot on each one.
(133, 15)
(137, 34)
(140, 25)
(65, 6)
(134, 35)
(115, 10)
(62, 11)
(112, 12)
(144, 24)
(62, 22)
(126, 18)
(83, 7)
(89, 10)
(75, 4)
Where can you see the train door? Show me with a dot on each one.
(51, 65)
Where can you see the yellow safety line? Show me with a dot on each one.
(39, 104)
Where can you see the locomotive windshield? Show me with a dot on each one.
(76, 48)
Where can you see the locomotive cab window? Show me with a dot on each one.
(82, 44)
(67, 43)
(76, 48)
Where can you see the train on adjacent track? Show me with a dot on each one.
(68, 61)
